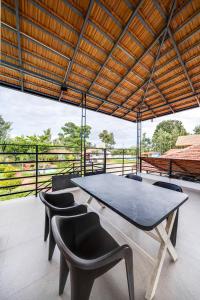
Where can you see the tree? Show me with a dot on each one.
(197, 130)
(107, 138)
(145, 143)
(70, 135)
(166, 134)
(5, 128)
(9, 183)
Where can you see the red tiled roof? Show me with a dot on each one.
(192, 152)
(188, 140)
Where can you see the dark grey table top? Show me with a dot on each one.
(142, 204)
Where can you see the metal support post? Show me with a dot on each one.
(104, 161)
(83, 135)
(36, 170)
(123, 162)
(138, 149)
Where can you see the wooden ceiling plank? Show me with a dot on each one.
(182, 63)
(118, 40)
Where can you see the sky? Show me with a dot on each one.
(32, 114)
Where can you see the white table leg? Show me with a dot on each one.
(164, 234)
(90, 200)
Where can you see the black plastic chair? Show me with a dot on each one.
(174, 187)
(95, 172)
(87, 251)
(60, 182)
(134, 177)
(58, 204)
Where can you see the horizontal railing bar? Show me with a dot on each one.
(20, 192)
(39, 161)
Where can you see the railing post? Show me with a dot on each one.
(170, 168)
(123, 162)
(36, 170)
(140, 165)
(105, 158)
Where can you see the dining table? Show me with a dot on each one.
(150, 208)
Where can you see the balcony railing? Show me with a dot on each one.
(186, 169)
(27, 169)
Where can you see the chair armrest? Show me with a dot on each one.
(119, 253)
(75, 209)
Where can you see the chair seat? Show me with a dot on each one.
(86, 248)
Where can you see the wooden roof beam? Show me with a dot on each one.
(173, 102)
(19, 40)
(118, 40)
(161, 95)
(50, 62)
(78, 44)
(55, 17)
(36, 41)
(157, 56)
(74, 9)
(182, 63)
(56, 82)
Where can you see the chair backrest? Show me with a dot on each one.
(67, 240)
(95, 172)
(134, 177)
(167, 185)
(60, 182)
(52, 200)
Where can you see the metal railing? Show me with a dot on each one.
(186, 169)
(28, 169)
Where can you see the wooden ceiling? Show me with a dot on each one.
(128, 57)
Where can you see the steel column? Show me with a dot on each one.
(83, 134)
(138, 149)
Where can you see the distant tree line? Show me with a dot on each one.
(69, 136)
(163, 139)
(165, 136)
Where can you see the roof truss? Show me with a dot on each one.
(114, 85)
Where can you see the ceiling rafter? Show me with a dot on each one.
(129, 81)
(34, 67)
(78, 43)
(55, 17)
(36, 41)
(141, 103)
(172, 102)
(138, 61)
(115, 65)
(182, 63)
(118, 40)
(161, 95)
(42, 28)
(49, 62)
(19, 40)
(147, 51)
(56, 82)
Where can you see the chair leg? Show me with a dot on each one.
(81, 284)
(64, 271)
(130, 277)
(46, 226)
(52, 242)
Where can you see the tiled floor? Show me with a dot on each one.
(26, 274)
